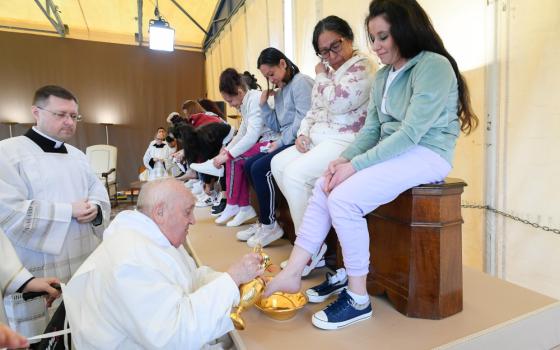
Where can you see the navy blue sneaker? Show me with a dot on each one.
(341, 313)
(332, 285)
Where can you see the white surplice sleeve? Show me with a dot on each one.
(38, 225)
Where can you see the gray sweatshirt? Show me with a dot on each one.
(291, 103)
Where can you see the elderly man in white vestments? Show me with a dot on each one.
(52, 206)
(15, 278)
(141, 290)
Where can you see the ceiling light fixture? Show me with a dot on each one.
(162, 36)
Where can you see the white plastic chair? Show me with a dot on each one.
(103, 160)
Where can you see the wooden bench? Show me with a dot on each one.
(415, 249)
(416, 254)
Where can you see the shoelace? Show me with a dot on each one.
(327, 283)
(344, 300)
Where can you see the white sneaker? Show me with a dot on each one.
(229, 212)
(266, 235)
(314, 260)
(218, 198)
(206, 200)
(245, 214)
(208, 168)
(197, 188)
(307, 269)
(248, 233)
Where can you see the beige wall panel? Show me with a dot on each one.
(216, 67)
(531, 159)
(352, 11)
(239, 42)
(276, 23)
(257, 34)
(226, 51)
(305, 17)
(451, 18)
(211, 81)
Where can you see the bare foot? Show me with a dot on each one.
(284, 282)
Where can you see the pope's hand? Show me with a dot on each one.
(246, 269)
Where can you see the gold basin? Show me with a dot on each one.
(282, 306)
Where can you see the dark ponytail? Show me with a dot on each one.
(250, 81)
(272, 56)
(231, 81)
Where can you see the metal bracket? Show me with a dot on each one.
(139, 36)
(189, 16)
(61, 28)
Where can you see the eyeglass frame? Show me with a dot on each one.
(73, 117)
(327, 51)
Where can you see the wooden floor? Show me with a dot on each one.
(496, 314)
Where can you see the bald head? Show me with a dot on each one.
(170, 205)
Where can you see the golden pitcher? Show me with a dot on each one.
(250, 292)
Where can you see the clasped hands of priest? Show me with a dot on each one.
(84, 211)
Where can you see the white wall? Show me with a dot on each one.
(529, 144)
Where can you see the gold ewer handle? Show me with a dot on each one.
(250, 292)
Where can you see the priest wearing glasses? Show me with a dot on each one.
(53, 208)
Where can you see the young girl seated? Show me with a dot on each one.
(240, 91)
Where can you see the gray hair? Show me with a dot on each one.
(156, 192)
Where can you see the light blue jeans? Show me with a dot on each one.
(345, 207)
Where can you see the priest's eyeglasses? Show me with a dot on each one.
(335, 47)
(62, 115)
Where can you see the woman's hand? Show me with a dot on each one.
(44, 284)
(320, 68)
(220, 159)
(332, 165)
(338, 170)
(179, 155)
(341, 173)
(273, 146)
(265, 95)
(303, 143)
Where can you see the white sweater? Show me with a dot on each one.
(252, 126)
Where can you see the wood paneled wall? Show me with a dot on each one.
(131, 87)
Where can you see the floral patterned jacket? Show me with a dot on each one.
(340, 98)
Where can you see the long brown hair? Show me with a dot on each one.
(413, 33)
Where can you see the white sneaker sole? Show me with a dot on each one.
(267, 241)
(332, 325)
(314, 260)
(235, 223)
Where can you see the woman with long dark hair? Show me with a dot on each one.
(419, 104)
(292, 99)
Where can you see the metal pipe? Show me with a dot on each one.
(189, 16)
(29, 29)
(140, 5)
(58, 25)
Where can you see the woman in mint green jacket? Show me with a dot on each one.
(418, 105)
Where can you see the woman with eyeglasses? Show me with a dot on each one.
(419, 103)
(338, 111)
(292, 99)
